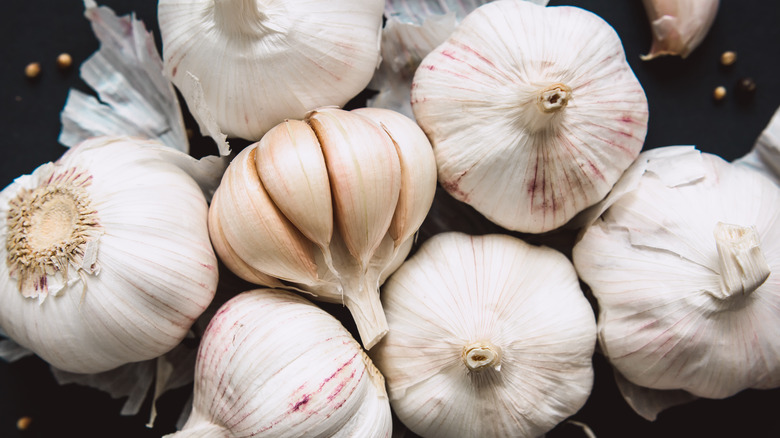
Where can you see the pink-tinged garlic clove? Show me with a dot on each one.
(678, 26)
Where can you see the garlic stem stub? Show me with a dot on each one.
(684, 265)
(533, 112)
(489, 337)
(261, 62)
(328, 205)
(272, 364)
(100, 266)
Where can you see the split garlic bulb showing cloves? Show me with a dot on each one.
(260, 62)
(684, 265)
(272, 364)
(533, 112)
(489, 337)
(678, 26)
(106, 256)
(328, 205)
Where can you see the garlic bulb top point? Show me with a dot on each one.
(553, 98)
(742, 262)
(481, 355)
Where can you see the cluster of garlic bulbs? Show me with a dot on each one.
(530, 130)
(101, 267)
(328, 205)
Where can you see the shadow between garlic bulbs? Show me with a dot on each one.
(328, 206)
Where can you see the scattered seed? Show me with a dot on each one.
(32, 70)
(23, 423)
(745, 89)
(719, 93)
(64, 61)
(728, 58)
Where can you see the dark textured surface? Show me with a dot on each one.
(682, 111)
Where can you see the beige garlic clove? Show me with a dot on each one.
(418, 170)
(365, 181)
(254, 227)
(533, 112)
(678, 26)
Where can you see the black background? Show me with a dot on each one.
(682, 111)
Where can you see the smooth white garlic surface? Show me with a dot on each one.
(106, 256)
(489, 337)
(678, 26)
(533, 112)
(684, 264)
(328, 205)
(272, 364)
(259, 62)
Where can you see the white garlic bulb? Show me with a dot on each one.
(533, 112)
(272, 364)
(106, 256)
(678, 26)
(684, 264)
(328, 205)
(260, 62)
(489, 337)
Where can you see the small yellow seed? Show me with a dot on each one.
(32, 70)
(23, 423)
(64, 61)
(719, 93)
(728, 58)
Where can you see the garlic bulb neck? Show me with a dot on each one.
(553, 98)
(481, 355)
(542, 105)
(241, 17)
(49, 229)
(743, 267)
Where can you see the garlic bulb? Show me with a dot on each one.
(684, 266)
(489, 337)
(678, 26)
(102, 267)
(328, 205)
(260, 62)
(533, 112)
(272, 364)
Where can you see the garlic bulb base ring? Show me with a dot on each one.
(553, 98)
(478, 356)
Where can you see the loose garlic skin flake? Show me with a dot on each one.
(533, 112)
(272, 364)
(262, 61)
(489, 337)
(684, 265)
(328, 205)
(101, 266)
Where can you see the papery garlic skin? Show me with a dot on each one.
(260, 62)
(678, 26)
(489, 337)
(272, 364)
(662, 262)
(533, 112)
(328, 205)
(132, 265)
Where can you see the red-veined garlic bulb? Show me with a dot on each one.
(253, 63)
(489, 337)
(533, 112)
(272, 364)
(684, 264)
(328, 205)
(678, 26)
(106, 255)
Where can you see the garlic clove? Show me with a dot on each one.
(292, 168)
(678, 26)
(530, 131)
(365, 182)
(418, 170)
(255, 228)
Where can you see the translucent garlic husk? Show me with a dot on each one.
(328, 205)
(684, 264)
(254, 375)
(102, 267)
(260, 62)
(489, 337)
(533, 112)
(678, 26)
